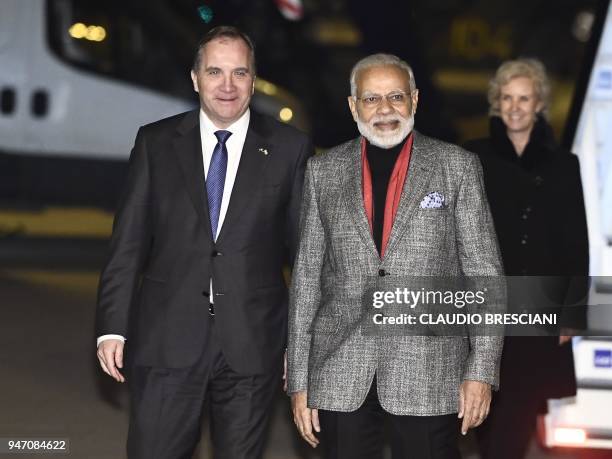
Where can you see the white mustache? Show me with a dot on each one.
(386, 119)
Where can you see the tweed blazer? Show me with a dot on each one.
(328, 354)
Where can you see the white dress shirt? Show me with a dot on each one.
(234, 145)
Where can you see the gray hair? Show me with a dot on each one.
(381, 60)
(524, 67)
(221, 32)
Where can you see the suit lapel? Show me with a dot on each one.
(188, 151)
(353, 193)
(419, 172)
(256, 154)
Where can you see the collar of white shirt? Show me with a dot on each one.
(234, 144)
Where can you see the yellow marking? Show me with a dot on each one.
(57, 222)
(339, 32)
(79, 282)
(462, 80)
(472, 38)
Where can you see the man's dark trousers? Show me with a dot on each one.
(167, 407)
(360, 434)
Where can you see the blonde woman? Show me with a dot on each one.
(535, 194)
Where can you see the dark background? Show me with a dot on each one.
(50, 256)
(454, 47)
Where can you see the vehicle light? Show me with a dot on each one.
(567, 435)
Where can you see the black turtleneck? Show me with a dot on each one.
(381, 162)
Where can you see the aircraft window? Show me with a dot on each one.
(7, 101)
(109, 39)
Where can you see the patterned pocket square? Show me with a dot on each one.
(433, 200)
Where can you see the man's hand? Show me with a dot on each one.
(305, 418)
(474, 403)
(566, 335)
(110, 354)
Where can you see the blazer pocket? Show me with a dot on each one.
(432, 214)
(432, 210)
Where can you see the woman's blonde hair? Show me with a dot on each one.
(530, 68)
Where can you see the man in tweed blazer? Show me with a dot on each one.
(390, 203)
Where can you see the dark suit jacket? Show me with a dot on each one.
(154, 289)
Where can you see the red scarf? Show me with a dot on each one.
(394, 189)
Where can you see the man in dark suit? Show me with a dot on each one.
(194, 287)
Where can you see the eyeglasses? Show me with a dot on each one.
(396, 99)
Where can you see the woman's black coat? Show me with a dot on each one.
(537, 205)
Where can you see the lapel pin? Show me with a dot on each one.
(264, 151)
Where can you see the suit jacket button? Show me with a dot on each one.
(215, 253)
(382, 272)
(205, 293)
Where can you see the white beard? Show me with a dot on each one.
(387, 139)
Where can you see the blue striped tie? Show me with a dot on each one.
(215, 181)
